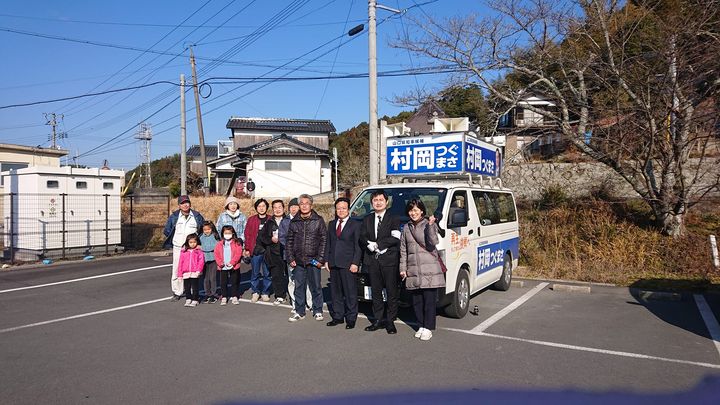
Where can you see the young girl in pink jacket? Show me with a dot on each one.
(228, 255)
(190, 266)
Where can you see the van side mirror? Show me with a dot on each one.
(458, 219)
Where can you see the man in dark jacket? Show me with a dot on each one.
(178, 226)
(343, 254)
(306, 239)
(380, 240)
(269, 239)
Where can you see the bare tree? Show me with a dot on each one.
(641, 77)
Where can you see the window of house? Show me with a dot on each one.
(52, 184)
(278, 166)
(5, 166)
(108, 186)
(519, 113)
(81, 185)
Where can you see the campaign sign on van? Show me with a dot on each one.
(425, 154)
(492, 255)
(482, 158)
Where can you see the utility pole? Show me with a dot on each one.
(52, 121)
(372, 75)
(335, 160)
(198, 116)
(183, 147)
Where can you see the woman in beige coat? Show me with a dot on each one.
(420, 266)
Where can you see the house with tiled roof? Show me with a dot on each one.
(281, 157)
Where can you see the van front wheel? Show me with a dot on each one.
(506, 277)
(458, 308)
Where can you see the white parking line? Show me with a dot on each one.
(503, 312)
(590, 349)
(67, 318)
(709, 318)
(75, 280)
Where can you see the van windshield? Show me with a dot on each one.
(433, 198)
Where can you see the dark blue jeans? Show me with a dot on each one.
(260, 273)
(307, 276)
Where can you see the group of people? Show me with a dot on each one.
(288, 251)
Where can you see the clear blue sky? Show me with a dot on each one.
(37, 68)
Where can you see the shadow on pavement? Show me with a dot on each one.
(670, 301)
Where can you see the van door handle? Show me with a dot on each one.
(478, 230)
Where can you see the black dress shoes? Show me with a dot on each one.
(391, 329)
(335, 322)
(374, 326)
(350, 325)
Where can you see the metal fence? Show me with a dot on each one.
(142, 217)
(61, 225)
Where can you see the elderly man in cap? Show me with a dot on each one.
(179, 225)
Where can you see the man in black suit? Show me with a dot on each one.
(380, 240)
(343, 255)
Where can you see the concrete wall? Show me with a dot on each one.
(528, 180)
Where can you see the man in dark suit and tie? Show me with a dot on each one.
(380, 240)
(343, 254)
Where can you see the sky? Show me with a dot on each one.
(53, 50)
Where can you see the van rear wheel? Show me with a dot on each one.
(458, 308)
(504, 283)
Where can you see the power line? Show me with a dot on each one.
(322, 97)
(149, 75)
(276, 79)
(407, 35)
(3, 107)
(290, 24)
(275, 20)
(148, 49)
(166, 94)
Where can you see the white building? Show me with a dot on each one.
(56, 209)
(282, 157)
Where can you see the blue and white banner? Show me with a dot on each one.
(482, 158)
(446, 153)
(492, 255)
(425, 154)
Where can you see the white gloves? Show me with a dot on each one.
(372, 246)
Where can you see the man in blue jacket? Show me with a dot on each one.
(179, 225)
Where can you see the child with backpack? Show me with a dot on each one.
(190, 267)
(208, 240)
(228, 255)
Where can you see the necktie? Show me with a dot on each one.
(377, 225)
(338, 230)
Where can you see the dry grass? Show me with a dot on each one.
(600, 242)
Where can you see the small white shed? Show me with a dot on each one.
(50, 210)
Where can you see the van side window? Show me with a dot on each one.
(505, 206)
(494, 208)
(458, 202)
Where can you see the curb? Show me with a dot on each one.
(585, 289)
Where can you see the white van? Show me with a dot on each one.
(480, 246)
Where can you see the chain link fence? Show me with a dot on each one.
(60, 225)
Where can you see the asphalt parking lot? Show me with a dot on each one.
(105, 332)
